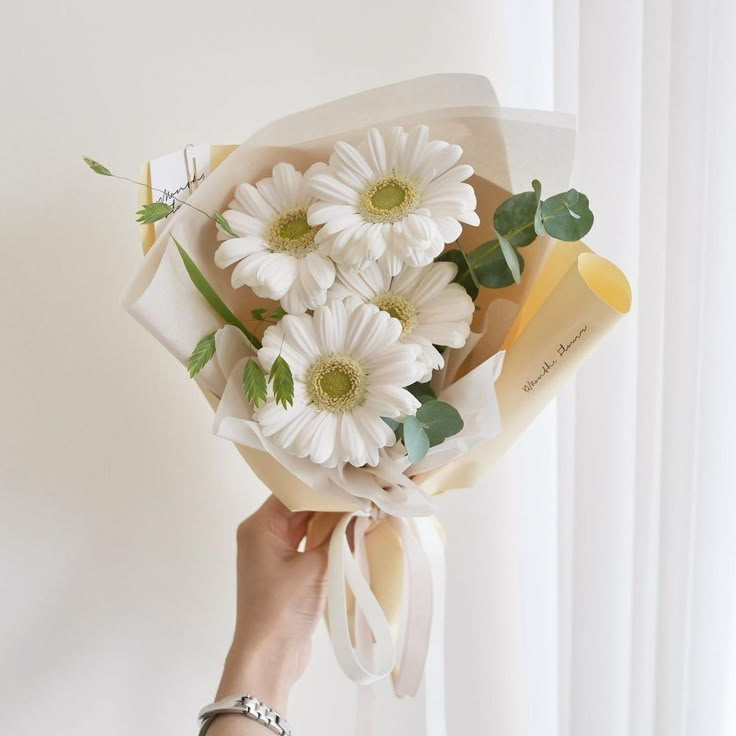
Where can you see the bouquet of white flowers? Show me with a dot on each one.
(348, 289)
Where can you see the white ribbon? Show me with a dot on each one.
(422, 652)
(343, 568)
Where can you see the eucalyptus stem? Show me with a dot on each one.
(471, 271)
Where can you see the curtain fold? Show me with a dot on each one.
(645, 436)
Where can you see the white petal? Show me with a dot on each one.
(297, 433)
(331, 189)
(373, 427)
(321, 268)
(277, 273)
(351, 439)
(392, 261)
(390, 401)
(244, 225)
(252, 203)
(433, 281)
(245, 273)
(323, 433)
(351, 159)
(295, 300)
(330, 327)
(374, 151)
(321, 212)
(453, 334)
(235, 249)
(288, 183)
(415, 145)
(449, 228)
(392, 373)
(299, 331)
(370, 330)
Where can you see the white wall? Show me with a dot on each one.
(118, 506)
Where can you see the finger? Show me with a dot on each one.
(289, 527)
(321, 528)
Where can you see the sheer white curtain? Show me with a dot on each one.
(628, 582)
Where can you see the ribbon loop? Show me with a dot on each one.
(343, 568)
(374, 655)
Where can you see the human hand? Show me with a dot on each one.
(280, 600)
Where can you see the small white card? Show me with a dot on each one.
(175, 176)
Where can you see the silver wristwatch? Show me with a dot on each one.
(248, 706)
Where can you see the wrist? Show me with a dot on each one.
(265, 672)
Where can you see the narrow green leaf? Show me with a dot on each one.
(283, 382)
(464, 276)
(276, 314)
(490, 266)
(258, 314)
(440, 421)
(153, 212)
(201, 355)
(96, 166)
(416, 440)
(514, 219)
(224, 224)
(512, 259)
(205, 289)
(254, 383)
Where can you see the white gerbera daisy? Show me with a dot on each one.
(432, 310)
(398, 198)
(276, 251)
(349, 370)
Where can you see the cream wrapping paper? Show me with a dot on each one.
(527, 338)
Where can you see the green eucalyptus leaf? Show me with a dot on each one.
(572, 196)
(567, 216)
(205, 289)
(514, 219)
(422, 392)
(224, 224)
(201, 355)
(416, 440)
(153, 212)
(464, 276)
(396, 426)
(538, 225)
(283, 382)
(96, 166)
(393, 423)
(511, 258)
(440, 421)
(490, 267)
(254, 383)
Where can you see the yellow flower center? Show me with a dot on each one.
(336, 383)
(400, 308)
(291, 233)
(388, 200)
